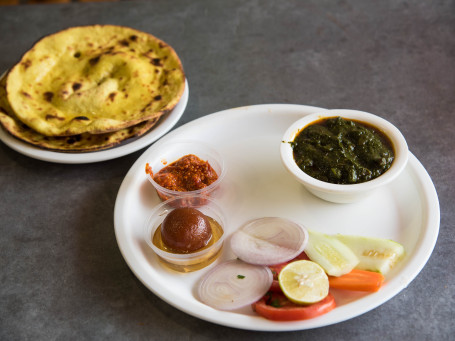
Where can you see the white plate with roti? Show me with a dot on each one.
(99, 91)
(257, 185)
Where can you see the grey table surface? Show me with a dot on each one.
(62, 274)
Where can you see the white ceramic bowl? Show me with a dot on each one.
(351, 192)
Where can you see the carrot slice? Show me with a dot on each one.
(357, 280)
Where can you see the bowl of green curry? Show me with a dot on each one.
(343, 155)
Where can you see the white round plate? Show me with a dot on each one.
(257, 185)
(162, 127)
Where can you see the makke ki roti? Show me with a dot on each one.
(84, 142)
(94, 79)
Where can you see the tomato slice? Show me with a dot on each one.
(275, 306)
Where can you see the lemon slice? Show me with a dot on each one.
(304, 282)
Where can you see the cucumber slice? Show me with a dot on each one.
(332, 255)
(374, 254)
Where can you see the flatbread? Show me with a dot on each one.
(94, 79)
(84, 142)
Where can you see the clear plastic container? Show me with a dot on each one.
(187, 262)
(171, 152)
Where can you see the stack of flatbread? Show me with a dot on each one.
(90, 88)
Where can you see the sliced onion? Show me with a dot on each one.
(269, 241)
(234, 284)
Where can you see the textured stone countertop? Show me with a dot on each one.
(63, 276)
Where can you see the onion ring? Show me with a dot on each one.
(269, 241)
(234, 284)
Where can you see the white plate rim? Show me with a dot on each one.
(162, 127)
(426, 243)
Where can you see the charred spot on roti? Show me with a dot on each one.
(26, 94)
(109, 51)
(124, 42)
(52, 117)
(81, 118)
(26, 63)
(156, 62)
(73, 139)
(147, 106)
(48, 96)
(76, 86)
(111, 96)
(93, 61)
